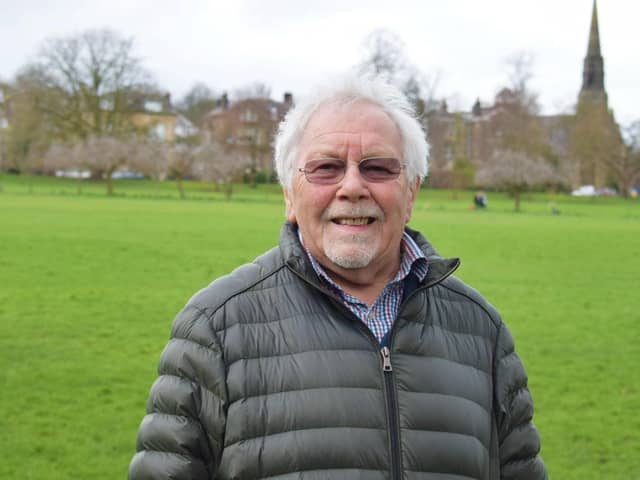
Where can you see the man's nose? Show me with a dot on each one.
(353, 186)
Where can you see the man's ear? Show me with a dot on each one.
(414, 188)
(290, 210)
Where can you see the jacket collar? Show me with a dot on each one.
(296, 258)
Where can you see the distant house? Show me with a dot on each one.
(247, 126)
(184, 128)
(153, 115)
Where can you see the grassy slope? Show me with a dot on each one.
(89, 285)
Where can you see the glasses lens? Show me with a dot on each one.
(380, 169)
(324, 170)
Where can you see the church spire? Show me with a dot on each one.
(593, 70)
(594, 34)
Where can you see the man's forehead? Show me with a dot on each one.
(343, 122)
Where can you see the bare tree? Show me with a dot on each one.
(199, 100)
(520, 73)
(214, 164)
(595, 144)
(515, 126)
(462, 175)
(384, 55)
(61, 156)
(181, 160)
(521, 157)
(27, 138)
(104, 155)
(624, 164)
(83, 84)
(253, 90)
(515, 172)
(150, 157)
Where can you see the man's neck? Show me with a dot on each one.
(366, 284)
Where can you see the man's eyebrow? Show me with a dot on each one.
(325, 151)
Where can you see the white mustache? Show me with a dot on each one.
(355, 211)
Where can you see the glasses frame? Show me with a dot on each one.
(338, 178)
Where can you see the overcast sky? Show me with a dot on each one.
(289, 44)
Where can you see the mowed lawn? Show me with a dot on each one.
(89, 286)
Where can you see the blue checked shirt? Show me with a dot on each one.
(380, 316)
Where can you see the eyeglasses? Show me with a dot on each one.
(327, 171)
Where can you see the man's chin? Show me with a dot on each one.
(350, 260)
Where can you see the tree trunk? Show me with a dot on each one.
(516, 198)
(180, 187)
(228, 191)
(625, 185)
(109, 184)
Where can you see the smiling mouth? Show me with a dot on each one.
(354, 221)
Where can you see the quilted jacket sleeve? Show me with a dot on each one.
(519, 441)
(182, 434)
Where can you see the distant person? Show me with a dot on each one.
(480, 199)
(349, 351)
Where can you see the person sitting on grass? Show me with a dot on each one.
(480, 199)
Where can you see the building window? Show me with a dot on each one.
(249, 116)
(153, 106)
(106, 104)
(157, 132)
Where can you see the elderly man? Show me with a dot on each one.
(348, 351)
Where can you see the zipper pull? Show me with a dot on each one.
(386, 359)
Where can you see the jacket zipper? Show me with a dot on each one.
(392, 411)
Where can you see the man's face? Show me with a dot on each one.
(355, 223)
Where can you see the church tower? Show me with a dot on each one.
(596, 137)
(593, 68)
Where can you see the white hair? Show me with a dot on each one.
(347, 89)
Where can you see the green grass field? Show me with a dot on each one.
(89, 286)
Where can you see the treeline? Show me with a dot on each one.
(75, 107)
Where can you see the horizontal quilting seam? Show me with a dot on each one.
(180, 455)
(173, 415)
(451, 330)
(194, 382)
(428, 430)
(446, 395)
(280, 319)
(298, 430)
(206, 348)
(291, 354)
(448, 475)
(195, 343)
(323, 389)
(522, 461)
(409, 354)
(260, 285)
(271, 477)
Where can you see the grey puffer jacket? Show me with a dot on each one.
(267, 375)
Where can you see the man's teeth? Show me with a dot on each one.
(352, 221)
